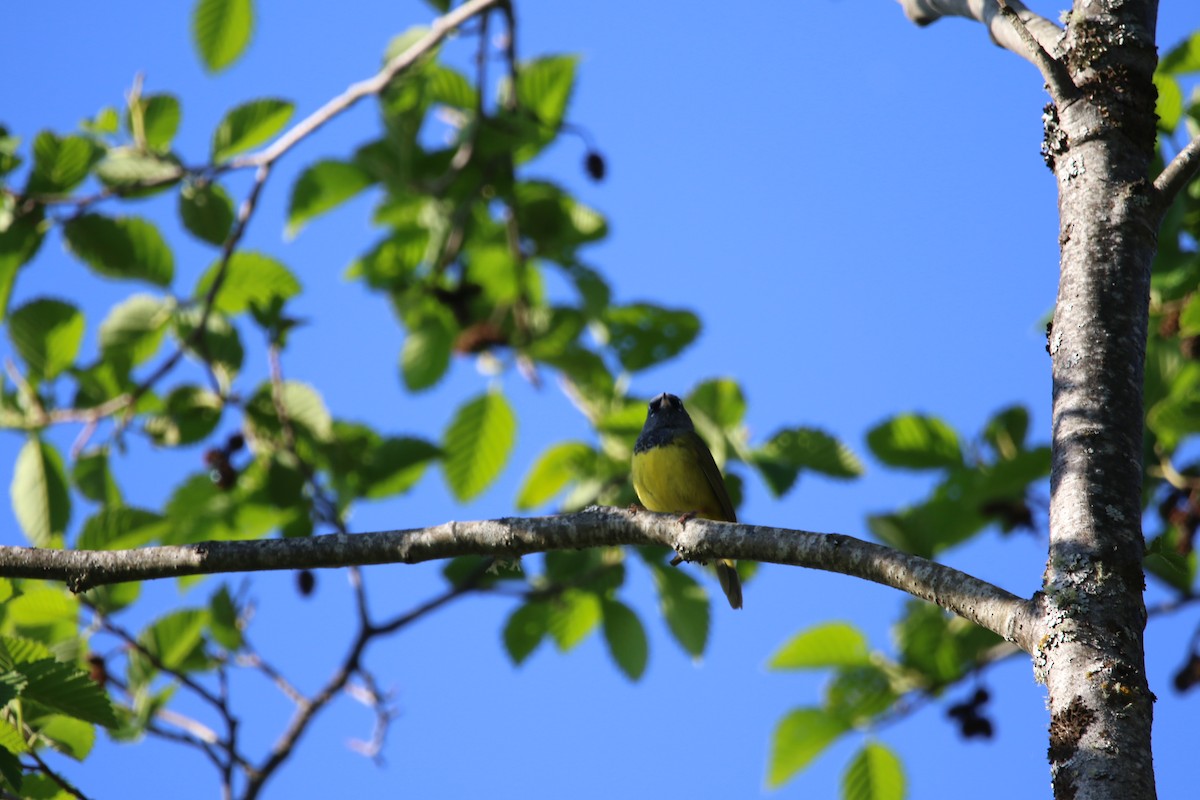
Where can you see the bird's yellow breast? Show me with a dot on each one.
(669, 479)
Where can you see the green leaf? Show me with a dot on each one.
(42, 606)
(323, 186)
(830, 644)
(1006, 431)
(190, 415)
(134, 328)
(799, 738)
(643, 335)
(395, 465)
(543, 92)
(105, 123)
(1169, 106)
(875, 773)
(306, 411)
(121, 247)
(93, 478)
(68, 735)
(720, 400)
(248, 125)
(127, 169)
(685, 606)
(68, 690)
(221, 31)
(176, 641)
(425, 356)
(477, 444)
(937, 647)
(449, 87)
(223, 620)
(791, 450)
(220, 346)
(250, 279)
(556, 467)
(1182, 58)
(1189, 316)
(159, 120)
(19, 243)
(525, 629)
(915, 441)
(47, 335)
(61, 164)
(860, 694)
(572, 616)
(120, 528)
(206, 210)
(39, 494)
(626, 638)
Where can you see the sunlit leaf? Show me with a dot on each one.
(47, 335)
(799, 738)
(121, 247)
(221, 31)
(830, 644)
(477, 444)
(249, 125)
(39, 494)
(875, 773)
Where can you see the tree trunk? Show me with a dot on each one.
(1099, 143)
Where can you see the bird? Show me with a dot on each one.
(674, 472)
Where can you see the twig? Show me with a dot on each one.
(66, 785)
(1054, 72)
(1176, 175)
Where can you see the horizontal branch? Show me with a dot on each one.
(993, 608)
(1012, 26)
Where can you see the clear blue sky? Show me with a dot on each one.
(858, 210)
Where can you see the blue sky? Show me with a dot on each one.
(858, 210)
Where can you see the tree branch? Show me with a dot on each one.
(1012, 26)
(1014, 619)
(1176, 175)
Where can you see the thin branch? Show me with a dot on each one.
(1011, 26)
(1176, 175)
(63, 783)
(440, 29)
(1014, 619)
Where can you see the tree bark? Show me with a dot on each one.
(1100, 147)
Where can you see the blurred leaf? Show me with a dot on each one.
(304, 406)
(190, 415)
(425, 356)
(875, 773)
(939, 648)
(1006, 431)
(206, 210)
(830, 644)
(248, 125)
(121, 247)
(39, 494)
(1183, 58)
(643, 335)
(477, 444)
(126, 168)
(915, 441)
(450, 87)
(61, 164)
(134, 328)
(120, 528)
(47, 335)
(626, 638)
(220, 346)
(544, 89)
(395, 465)
(556, 467)
(250, 279)
(685, 606)
(105, 123)
(42, 606)
(1169, 106)
(322, 187)
(719, 399)
(70, 736)
(223, 620)
(525, 629)
(799, 738)
(859, 694)
(572, 616)
(792, 450)
(19, 242)
(160, 114)
(221, 31)
(175, 641)
(93, 478)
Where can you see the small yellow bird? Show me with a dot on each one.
(674, 472)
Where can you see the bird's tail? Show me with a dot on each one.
(730, 584)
